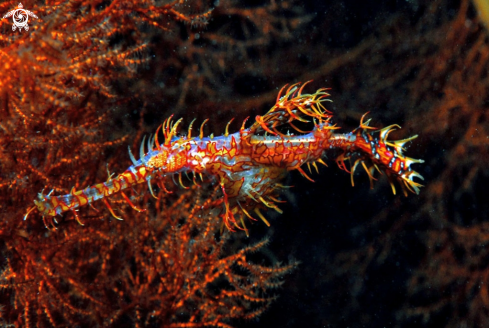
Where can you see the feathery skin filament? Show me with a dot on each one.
(249, 164)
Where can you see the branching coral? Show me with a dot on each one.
(225, 61)
(164, 267)
(419, 260)
(61, 85)
(56, 89)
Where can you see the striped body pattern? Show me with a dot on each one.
(249, 164)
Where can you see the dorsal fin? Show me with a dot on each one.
(292, 106)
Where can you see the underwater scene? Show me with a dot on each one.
(258, 163)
